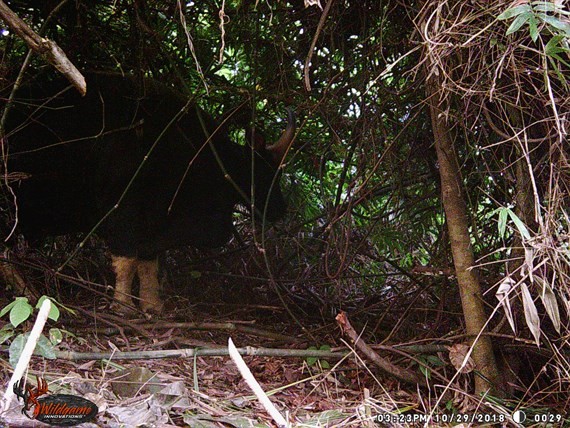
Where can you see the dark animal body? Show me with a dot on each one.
(141, 158)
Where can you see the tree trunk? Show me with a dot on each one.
(458, 228)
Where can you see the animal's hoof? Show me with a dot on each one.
(123, 308)
(152, 307)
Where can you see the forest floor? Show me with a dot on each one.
(206, 391)
(161, 382)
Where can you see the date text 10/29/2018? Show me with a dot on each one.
(519, 416)
(407, 418)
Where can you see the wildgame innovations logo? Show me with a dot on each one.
(54, 409)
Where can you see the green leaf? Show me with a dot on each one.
(519, 22)
(311, 361)
(434, 361)
(55, 336)
(533, 28)
(21, 311)
(326, 418)
(514, 11)
(425, 371)
(549, 6)
(560, 76)
(502, 223)
(544, 6)
(45, 348)
(6, 333)
(9, 306)
(519, 224)
(556, 23)
(16, 348)
(54, 312)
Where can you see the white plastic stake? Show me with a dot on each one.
(255, 387)
(26, 354)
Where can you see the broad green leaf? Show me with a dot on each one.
(45, 348)
(16, 348)
(514, 11)
(54, 310)
(9, 306)
(20, 312)
(311, 361)
(55, 336)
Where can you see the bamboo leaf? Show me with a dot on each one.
(514, 11)
(533, 28)
(565, 302)
(550, 303)
(519, 22)
(528, 267)
(556, 23)
(549, 6)
(502, 224)
(530, 314)
(519, 225)
(544, 6)
(502, 295)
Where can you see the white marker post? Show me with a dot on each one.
(26, 354)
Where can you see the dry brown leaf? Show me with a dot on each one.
(457, 355)
(531, 313)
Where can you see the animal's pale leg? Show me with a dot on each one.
(124, 268)
(149, 286)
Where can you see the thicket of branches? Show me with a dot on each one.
(366, 223)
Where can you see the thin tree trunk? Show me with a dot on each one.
(458, 228)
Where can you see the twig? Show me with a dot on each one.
(48, 49)
(386, 366)
(314, 43)
(230, 326)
